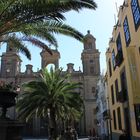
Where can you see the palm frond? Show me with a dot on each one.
(60, 28)
(37, 43)
(42, 33)
(14, 42)
(50, 91)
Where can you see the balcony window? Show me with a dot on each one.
(116, 88)
(136, 13)
(113, 59)
(119, 43)
(110, 70)
(119, 118)
(124, 85)
(137, 116)
(122, 96)
(114, 119)
(119, 56)
(112, 94)
(126, 31)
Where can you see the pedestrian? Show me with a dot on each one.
(67, 134)
(124, 135)
(75, 135)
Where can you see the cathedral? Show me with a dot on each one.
(90, 56)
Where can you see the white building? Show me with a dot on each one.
(102, 108)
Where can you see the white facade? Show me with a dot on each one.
(102, 107)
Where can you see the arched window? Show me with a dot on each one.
(90, 45)
(93, 90)
(49, 66)
(91, 70)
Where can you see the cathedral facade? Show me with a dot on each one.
(11, 72)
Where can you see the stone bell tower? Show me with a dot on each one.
(91, 71)
(90, 56)
(47, 58)
(10, 62)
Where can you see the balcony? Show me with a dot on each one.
(122, 96)
(106, 115)
(97, 109)
(96, 122)
(119, 58)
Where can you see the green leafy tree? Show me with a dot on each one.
(54, 97)
(37, 19)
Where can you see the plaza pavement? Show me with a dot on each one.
(47, 139)
(91, 138)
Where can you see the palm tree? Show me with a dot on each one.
(53, 97)
(35, 32)
(27, 16)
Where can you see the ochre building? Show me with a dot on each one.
(123, 71)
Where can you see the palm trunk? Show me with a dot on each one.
(52, 125)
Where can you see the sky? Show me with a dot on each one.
(100, 22)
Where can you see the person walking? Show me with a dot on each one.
(67, 134)
(124, 135)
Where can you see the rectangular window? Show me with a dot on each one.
(110, 70)
(136, 13)
(116, 88)
(114, 119)
(137, 116)
(119, 118)
(92, 70)
(126, 31)
(119, 43)
(119, 55)
(113, 59)
(123, 85)
(112, 94)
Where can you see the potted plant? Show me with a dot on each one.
(7, 97)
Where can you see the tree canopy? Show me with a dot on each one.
(52, 93)
(35, 20)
